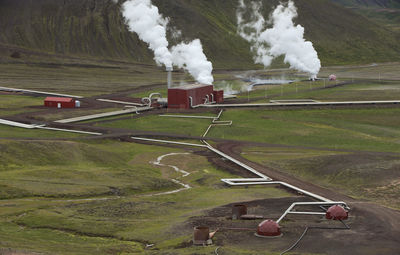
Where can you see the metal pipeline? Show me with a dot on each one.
(262, 180)
(148, 100)
(303, 104)
(169, 76)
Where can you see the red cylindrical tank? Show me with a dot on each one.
(201, 235)
(268, 228)
(336, 212)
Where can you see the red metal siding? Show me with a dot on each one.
(179, 97)
(219, 96)
(63, 101)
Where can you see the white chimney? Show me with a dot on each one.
(169, 78)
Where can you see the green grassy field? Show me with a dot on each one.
(99, 197)
(360, 91)
(21, 133)
(14, 104)
(80, 80)
(354, 129)
(194, 127)
(96, 198)
(370, 176)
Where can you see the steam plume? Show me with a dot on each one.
(144, 19)
(191, 57)
(284, 38)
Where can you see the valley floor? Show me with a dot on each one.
(67, 193)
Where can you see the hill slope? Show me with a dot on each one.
(385, 12)
(370, 3)
(96, 28)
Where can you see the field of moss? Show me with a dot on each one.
(368, 176)
(370, 129)
(101, 197)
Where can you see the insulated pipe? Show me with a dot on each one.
(191, 103)
(186, 116)
(265, 180)
(169, 76)
(310, 203)
(303, 104)
(237, 162)
(118, 102)
(212, 98)
(165, 141)
(233, 182)
(151, 97)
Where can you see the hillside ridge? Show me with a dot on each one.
(96, 28)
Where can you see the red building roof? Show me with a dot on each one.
(191, 86)
(59, 99)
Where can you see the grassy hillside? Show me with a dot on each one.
(386, 12)
(96, 28)
(107, 197)
(370, 3)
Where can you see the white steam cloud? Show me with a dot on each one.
(284, 38)
(143, 18)
(191, 57)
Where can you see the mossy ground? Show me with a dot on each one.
(95, 198)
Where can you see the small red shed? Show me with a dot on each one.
(59, 102)
(188, 96)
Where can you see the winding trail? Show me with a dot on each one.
(176, 169)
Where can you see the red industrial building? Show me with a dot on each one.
(188, 96)
(59, 102)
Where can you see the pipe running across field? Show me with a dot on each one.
(265, 180)
(261, 180)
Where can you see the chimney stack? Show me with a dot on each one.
(169, 70)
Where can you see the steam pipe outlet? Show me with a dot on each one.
(169, 76)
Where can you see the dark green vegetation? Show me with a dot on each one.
(195, 127)
(370, 176)
(386, 12)
(63, 197)
(96, 28)
(362, 91)
(353, 129)
(369, 3)
(71, 169)
(82, 79)
(14, 104)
